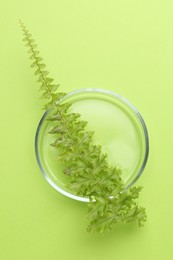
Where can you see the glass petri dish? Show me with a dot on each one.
(118, 126)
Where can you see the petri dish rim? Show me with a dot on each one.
(113, 94)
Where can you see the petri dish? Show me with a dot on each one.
(118, 127)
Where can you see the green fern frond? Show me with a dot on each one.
(46, 83)
(85, 164)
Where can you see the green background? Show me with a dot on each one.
(124, 46)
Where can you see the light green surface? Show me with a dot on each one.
(125, 46)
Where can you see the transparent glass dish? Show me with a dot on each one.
(118, 126)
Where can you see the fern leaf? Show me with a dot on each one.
(85, 163)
